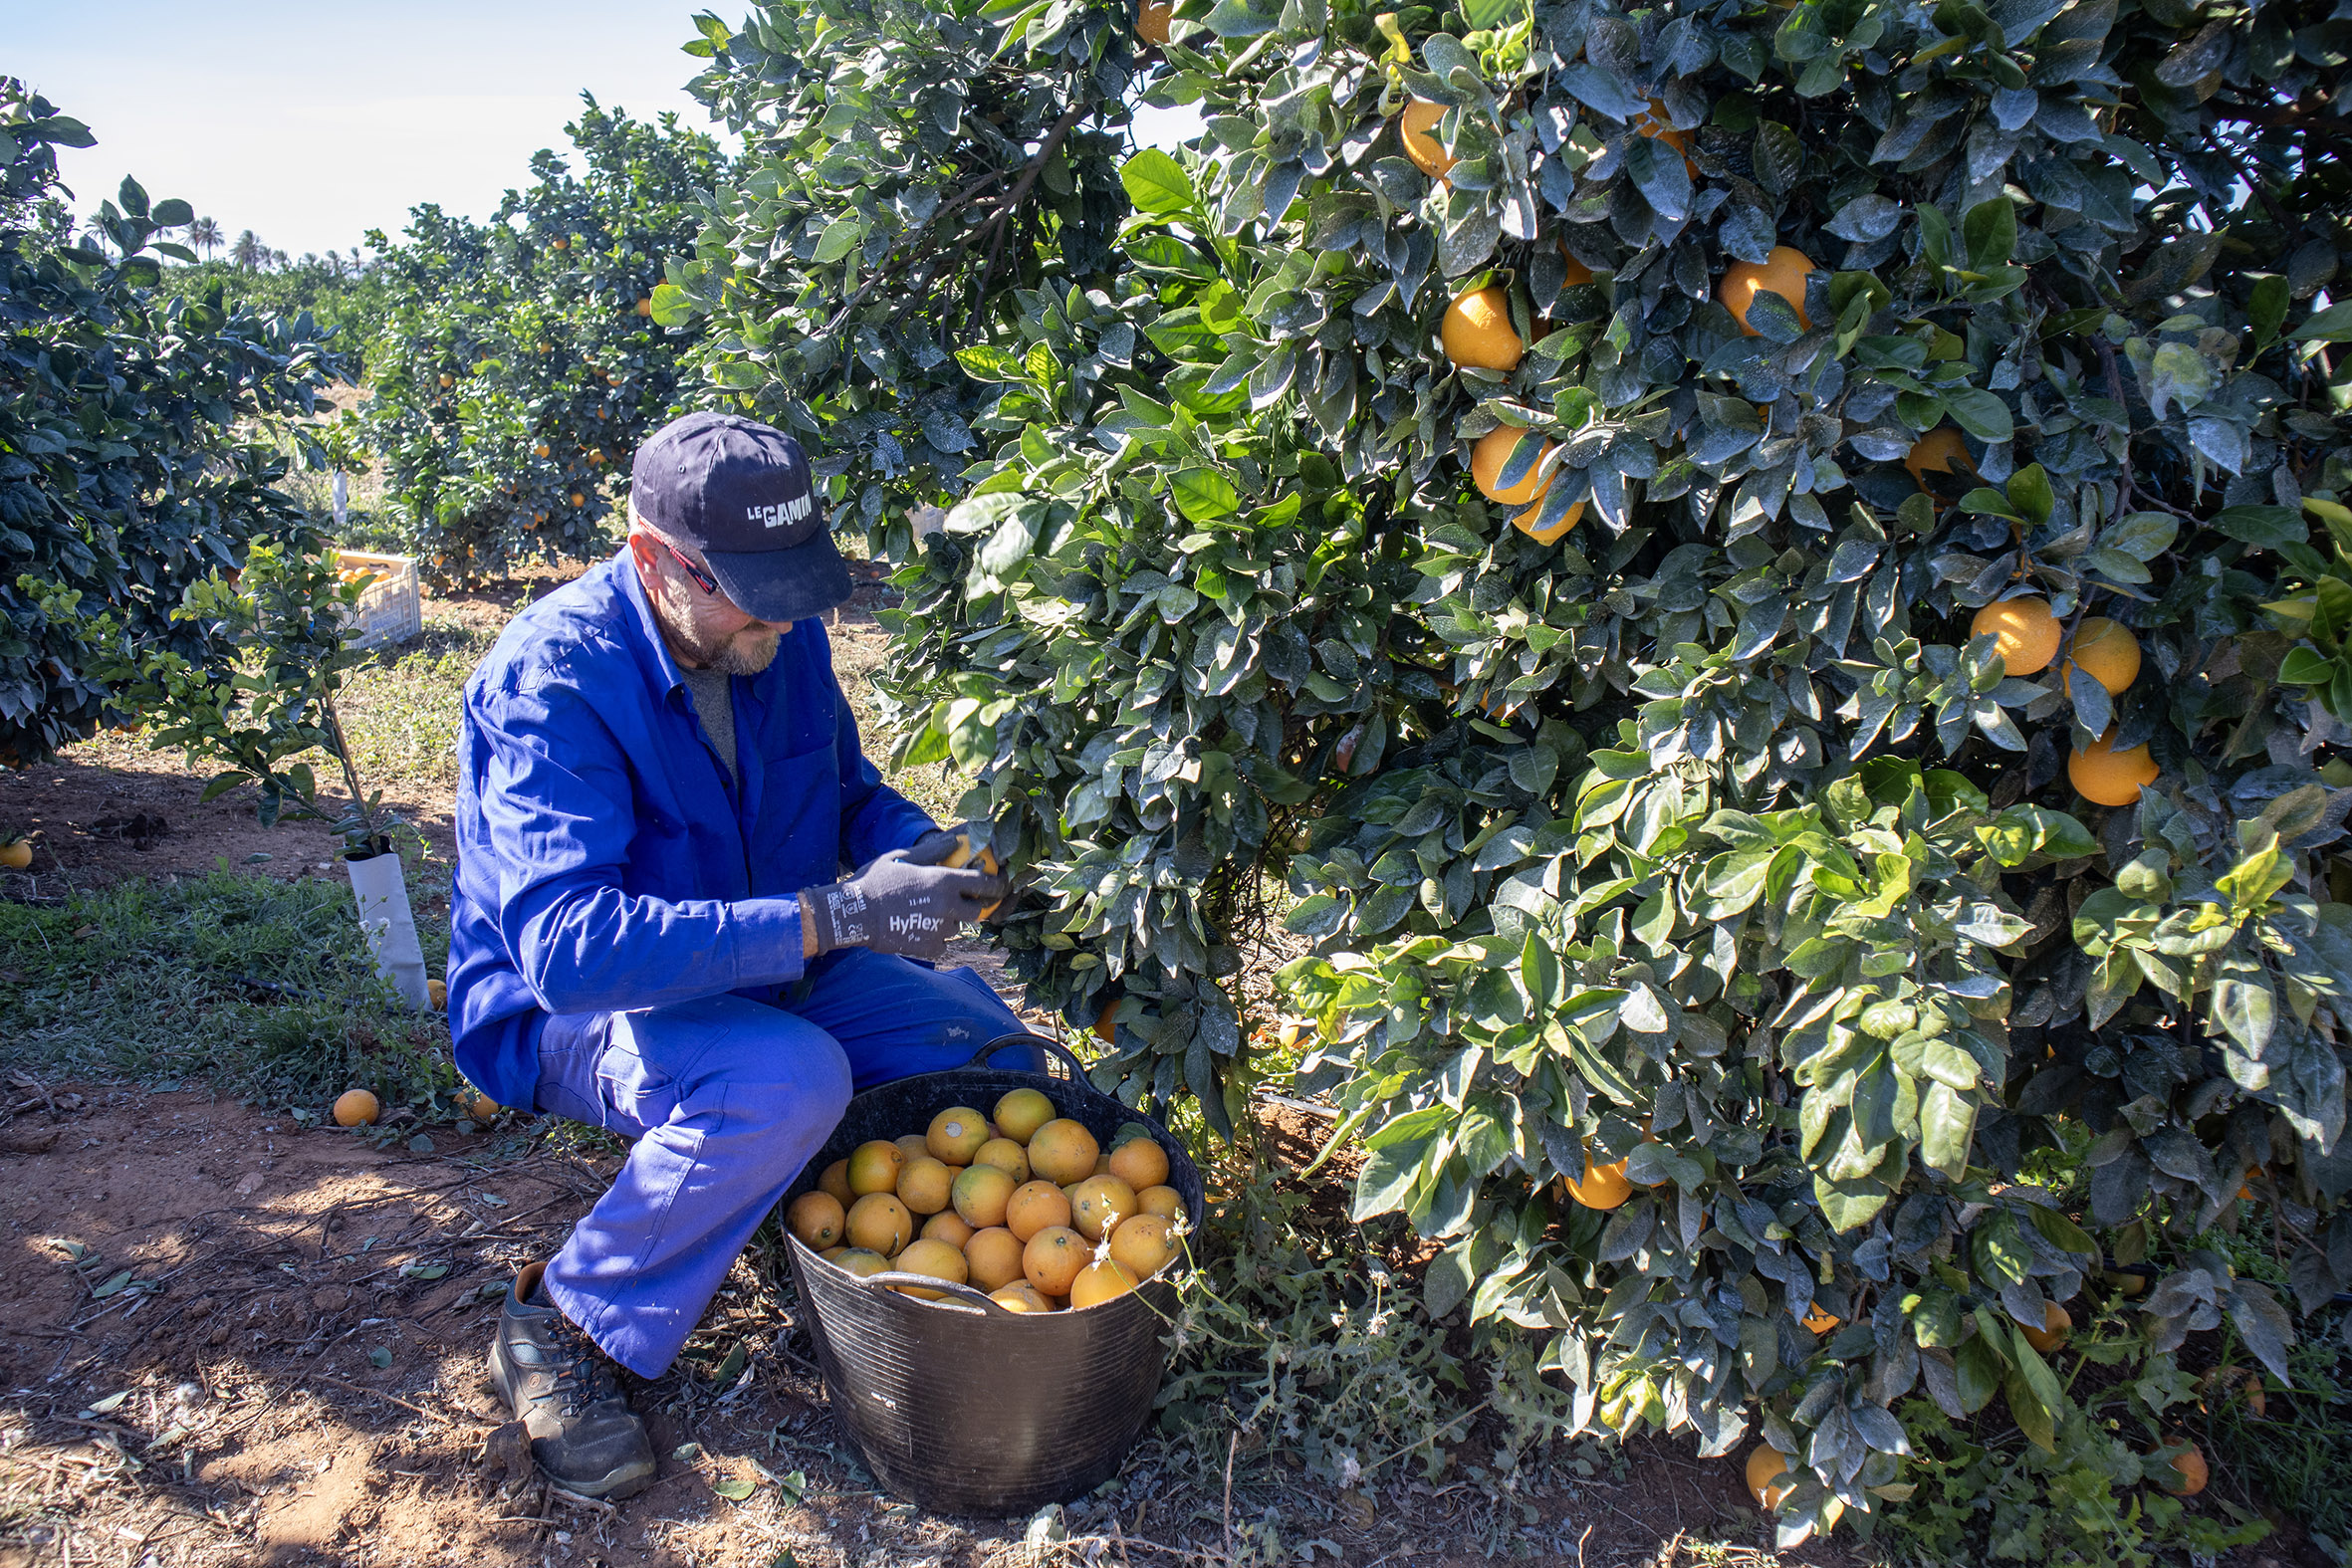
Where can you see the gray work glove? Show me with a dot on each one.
(897, 906)
(935, 847)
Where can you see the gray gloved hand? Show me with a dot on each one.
(897, 906)
(935, 847)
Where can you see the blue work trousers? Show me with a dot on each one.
(727, 1099)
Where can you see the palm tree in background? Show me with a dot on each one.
(248, 251)
(204, 237)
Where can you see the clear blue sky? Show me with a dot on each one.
(311, 124)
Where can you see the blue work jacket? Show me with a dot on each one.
(605, 861)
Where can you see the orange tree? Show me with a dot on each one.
(517, 365)
(133, 449)
(1815, 853)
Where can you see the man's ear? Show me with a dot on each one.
(646, 554)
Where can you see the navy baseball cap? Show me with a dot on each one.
(742, 492)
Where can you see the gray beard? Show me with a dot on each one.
(727, 657)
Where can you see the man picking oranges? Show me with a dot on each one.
(660, 791)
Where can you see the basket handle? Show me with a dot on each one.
(1077, 1068)
(967, 1298)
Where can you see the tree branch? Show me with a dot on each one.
(1029, 177)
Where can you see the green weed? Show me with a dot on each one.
(1301, 1335)
(258, 986)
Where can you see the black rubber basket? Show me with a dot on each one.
(960, 1405)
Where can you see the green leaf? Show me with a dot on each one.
(1979, 413)
(840, 237)
(2029, 487)
(2331, 326)
(1990, 231)
(1157, 184)
(2267, 527)
(1203, 495)
(1387, 1180)
(1978, 1372)
(2265, 307)
(2306, 665)
(734, 1488)
(673, 306)
(2061, 1233)
(2035, 1417)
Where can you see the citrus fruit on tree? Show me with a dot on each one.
(1657, 122)
(1414, 127)
(1006, 1156)
(1820, 1320)
(1099, 1203)
(1053, 1257)
(1034, 1207)
(816, 1219)
(1577, 273)
(1020, 1113)
(946, 1226)
(1768, 1479)
(1940, 451)
(982, 1194)
(835, 1180)
(2109, 777)
(874, 1166)
(1477, 331)
(1493, 453)
(2056, 1324)
(935, 1259)
(2026, 634)
(879, 1223)
(355, 1108)
(1097, 1283)
(1604, 1185)
(994, 1257)
(1782, 273)
(1151, 21)
(2105, 652)
(924, 1185)
(1063, 1152)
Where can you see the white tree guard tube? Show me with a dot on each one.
(382, 893)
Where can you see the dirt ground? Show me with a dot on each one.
(228, 1340)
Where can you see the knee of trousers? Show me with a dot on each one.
(802, 1083)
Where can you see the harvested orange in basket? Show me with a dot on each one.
(1020, 1113)
(1053, 1258)
(1062, 1150)
(1034, 1207)
(816, 1218)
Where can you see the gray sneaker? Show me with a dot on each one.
(563, 1390)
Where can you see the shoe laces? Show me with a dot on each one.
(582, 1375)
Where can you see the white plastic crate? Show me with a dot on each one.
(389, 609)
